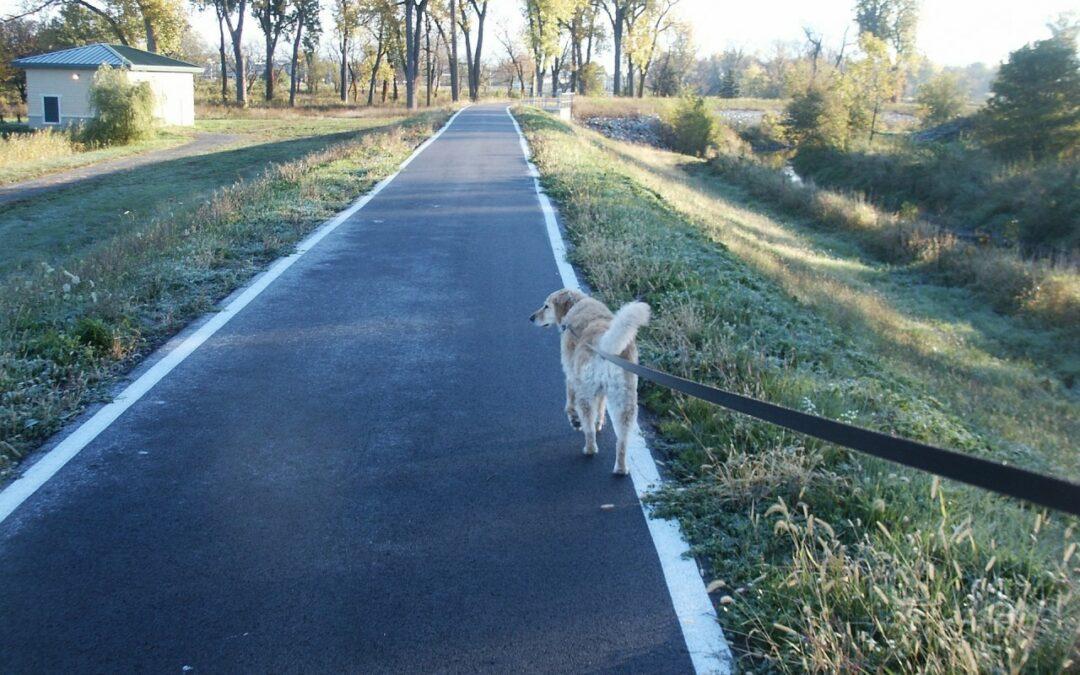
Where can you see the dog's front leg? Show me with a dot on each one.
(571, 406)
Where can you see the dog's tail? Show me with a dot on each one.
(624, 327)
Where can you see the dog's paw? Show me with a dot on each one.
(589, 451)
(620, 470)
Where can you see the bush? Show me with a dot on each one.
(592, 77)
(690, 129)
(124, 111)
(1034, 112)
(941, 99)
(817, 117)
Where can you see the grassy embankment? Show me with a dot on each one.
(830, 561)
(130, 260)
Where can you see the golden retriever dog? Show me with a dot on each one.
(590, 379)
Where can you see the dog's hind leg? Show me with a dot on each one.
(586, 411)
(623, 415)
(571, 406)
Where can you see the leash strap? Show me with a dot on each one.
(1054, 493)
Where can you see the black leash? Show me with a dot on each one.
(1036, 488)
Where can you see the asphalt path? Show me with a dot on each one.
(367, 469)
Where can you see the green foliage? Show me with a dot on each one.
(123, 110)
(729, 88)
(690, 128)
(941, 99)
(592, 78)
(1035, 108)
(817, 117)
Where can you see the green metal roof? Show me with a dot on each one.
(116, 56)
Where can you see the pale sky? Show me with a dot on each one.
(951, 32)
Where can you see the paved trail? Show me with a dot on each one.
(366, 470)
(203, 143)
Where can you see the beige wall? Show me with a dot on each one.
(74, 94)
(174, 94)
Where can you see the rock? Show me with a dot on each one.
(644, 129)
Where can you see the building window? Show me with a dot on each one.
(52, 109)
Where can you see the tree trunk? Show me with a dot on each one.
(268, 73)
(481, 15)
(294, 74)
(617, 34)
(151, 35)
(344, 70)
(375, 70)
(241, 86)
(455, 87)
(224, 61)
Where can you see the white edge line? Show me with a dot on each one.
(47, 466)
(701, 630)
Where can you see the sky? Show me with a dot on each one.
(951, 32)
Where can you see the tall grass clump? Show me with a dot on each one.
(37, 145)
(123, 110)
(67, 331)
(821, 560)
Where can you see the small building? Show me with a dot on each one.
(58, 83)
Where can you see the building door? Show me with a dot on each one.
(52, 109)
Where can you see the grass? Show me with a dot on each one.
(67, 329)
(60, 225)
(28, 155)
(823, 560)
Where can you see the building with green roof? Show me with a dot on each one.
(58, 83)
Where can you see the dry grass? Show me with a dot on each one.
(38, 145)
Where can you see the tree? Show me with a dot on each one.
(273, 16)
(655, 21)
(236, 33)
(729, 87)
(473, 56)
(869, 83)
(414, 20)
(892, 21)
(1034, 109)
(304, 16)
(941, 99)
(543, 19)
(18, 38)
(817, 117)
(347, 20)
(616, 11)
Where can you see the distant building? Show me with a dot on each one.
(58, 83)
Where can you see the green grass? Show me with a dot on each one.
(67, 330)
(830, 562)
(57, 226)
(73, 155)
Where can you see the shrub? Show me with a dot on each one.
(690, 128)
(592, 76)
(1035, 108)
(817, 117)
(941, 99)
(124, 111)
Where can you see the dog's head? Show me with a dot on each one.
(555, 307)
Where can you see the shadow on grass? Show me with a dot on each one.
(53, 226)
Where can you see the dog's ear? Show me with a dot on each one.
(562, 301)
